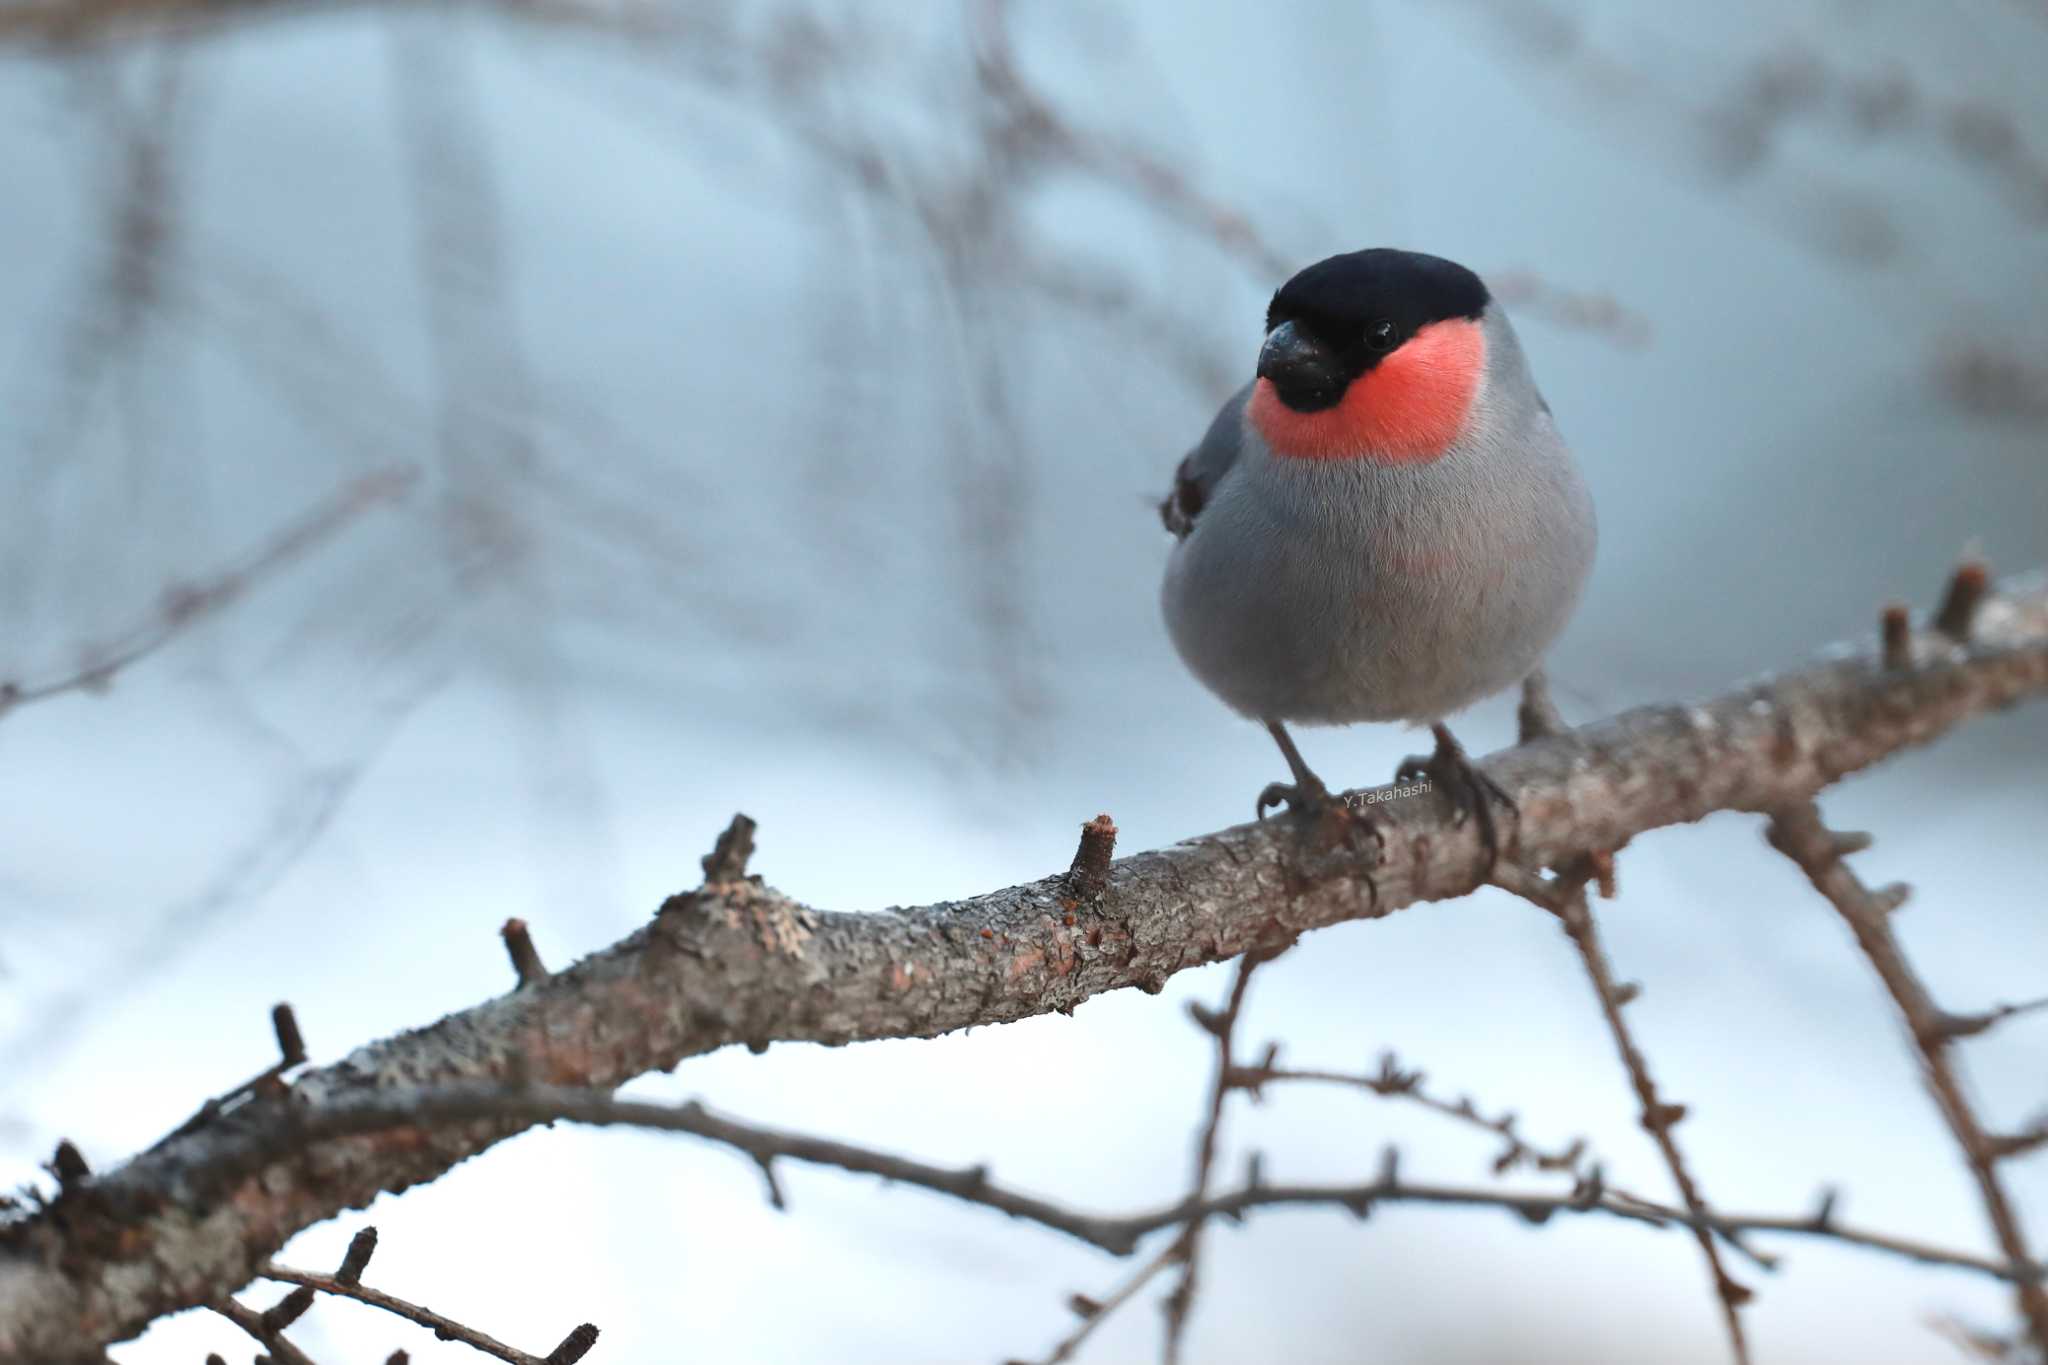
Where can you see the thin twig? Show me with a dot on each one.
(1188, 1246)
(281, 1350)
(1566, 898)
(346, 1283)
(446, 1328)
(1094, 1312)
(1968, 1025)
(440, 1106)
(1798, 832)
(1392, 1082)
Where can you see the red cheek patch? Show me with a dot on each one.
(1405, 410)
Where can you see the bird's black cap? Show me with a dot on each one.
(1350, 310)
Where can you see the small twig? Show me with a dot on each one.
(1537, 716)
(1393, 1082)
(727, 860)
(1566, 898)
(361, 1247)
(2005, 1146)
(1799, 833)
(68, 1164)
(1969, 1025)
(291, 1044)
(525, 957)
(291, 1048)
(574, 1347)
(288, 1309)
(1958, 610)
(1895, 629)
(1187, 1248)
(435, 1106)
(347, 1284)
(1094, 1312)
(282, 1351)
(1090, 871)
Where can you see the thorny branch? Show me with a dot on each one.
(192, 1219)
(1565, 897)
(346, 1283)
(1392, 1081)
(1222, 1026)
(409, 1110)
(1798, 832)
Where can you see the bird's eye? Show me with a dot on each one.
(1381, 336)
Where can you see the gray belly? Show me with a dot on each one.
(1288, 609)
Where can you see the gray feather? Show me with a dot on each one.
(1203, 468)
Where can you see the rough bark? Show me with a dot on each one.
(194, 1217)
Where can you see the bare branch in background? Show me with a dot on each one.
(1755, 135)
(1038, 122)
(1603, 315)
(104, 330)
(1992, 381)
(739, 962)
(184, 605)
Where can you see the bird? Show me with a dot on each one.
(1384, 524)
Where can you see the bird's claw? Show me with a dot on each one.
(1301, 798)
(1332, 815)
(1471, 791)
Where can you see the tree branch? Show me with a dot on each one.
(1659, 1116)
(1118, 1234)
(195, 1216)
(1798, 833)
(1187, 1248)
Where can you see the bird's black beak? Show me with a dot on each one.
(1306, 375)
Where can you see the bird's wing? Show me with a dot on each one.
(1204, 466)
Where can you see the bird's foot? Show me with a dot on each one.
(1471, 792)
(1328, 821)
(1308, 798)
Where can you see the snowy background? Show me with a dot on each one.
(787, 433)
